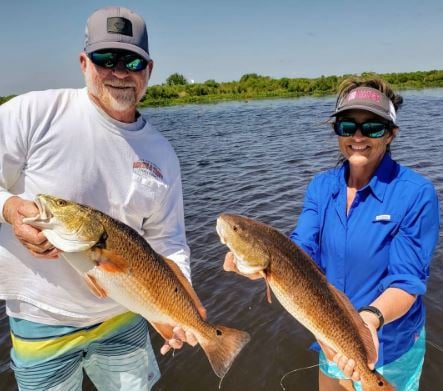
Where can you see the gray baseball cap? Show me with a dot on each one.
(369, 99)
(116, 28)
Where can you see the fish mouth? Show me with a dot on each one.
(242, 265)
(220, 231)
(44, 216)
(59, 234)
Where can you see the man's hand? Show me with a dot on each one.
(14, 210)
(176, 342)
(230, 266)
(345, 364)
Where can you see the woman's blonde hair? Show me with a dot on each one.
(347, 85)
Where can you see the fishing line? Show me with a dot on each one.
(302, 369)
(434, 345)
(293, 371)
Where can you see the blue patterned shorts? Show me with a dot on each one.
(403, 373)
(116, 354)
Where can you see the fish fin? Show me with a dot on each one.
(223, 347)
(363, 330)
(81, 262)
(94, 286)
(188, 287)
(268, 289)
(165, 330)
(108, 260)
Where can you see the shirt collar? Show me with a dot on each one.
(379, 181)
(382, 176)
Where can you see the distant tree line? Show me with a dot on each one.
(177, 89)
(4, 99)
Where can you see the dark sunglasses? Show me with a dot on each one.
(371, 129)
(110, 58)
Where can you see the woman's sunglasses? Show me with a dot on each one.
(110, 58)
(371, 129)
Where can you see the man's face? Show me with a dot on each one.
(115, 89)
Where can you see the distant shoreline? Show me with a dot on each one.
(253, 86)
(177, 91)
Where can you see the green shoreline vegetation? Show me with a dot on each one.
(178, 91)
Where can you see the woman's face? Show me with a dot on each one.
(363, 153)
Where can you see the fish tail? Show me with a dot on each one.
(376, 382)
(222, 346)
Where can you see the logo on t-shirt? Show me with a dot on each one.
(384, 217)
(145, 168)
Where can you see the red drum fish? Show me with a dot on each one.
(117, 262)
(303, 290)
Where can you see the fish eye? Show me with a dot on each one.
(235, 228)
(61, 203)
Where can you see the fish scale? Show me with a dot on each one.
(146, 269)
(312, 317)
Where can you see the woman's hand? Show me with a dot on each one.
(347, 364)
(230, 266)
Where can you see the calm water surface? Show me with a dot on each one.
(256, 158)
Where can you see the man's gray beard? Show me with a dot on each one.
(121, 100)
(118, 100)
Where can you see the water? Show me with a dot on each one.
(256, 158)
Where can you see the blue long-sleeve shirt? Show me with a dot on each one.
(386, 240)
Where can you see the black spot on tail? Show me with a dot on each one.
(380, 381)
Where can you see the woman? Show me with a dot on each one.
(372, 226)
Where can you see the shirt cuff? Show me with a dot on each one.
(315, 346)
(407, 282)
(182, 260)
(4, 196)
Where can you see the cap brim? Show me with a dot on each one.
(365, 108)
(118, 45)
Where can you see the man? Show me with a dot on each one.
(89, 145)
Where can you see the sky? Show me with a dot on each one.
(225, 39)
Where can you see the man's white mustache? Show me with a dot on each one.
(119, 84)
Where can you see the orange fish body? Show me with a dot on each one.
(116, 262)
(303, 290)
